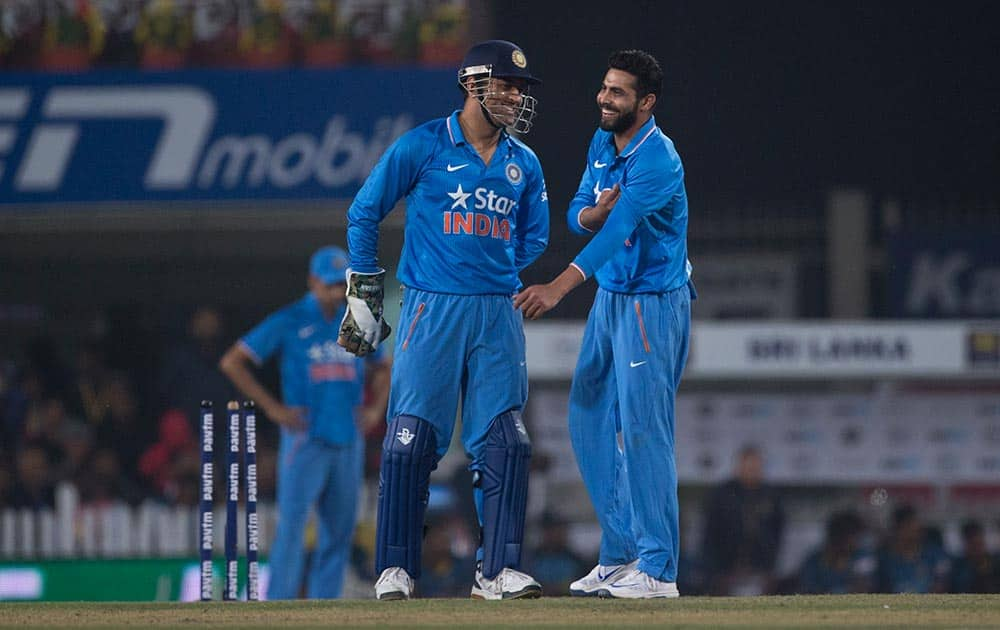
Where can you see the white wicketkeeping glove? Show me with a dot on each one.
(363, 328)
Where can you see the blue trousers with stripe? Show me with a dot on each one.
(458, 348)
(313, 474)
(621, 423)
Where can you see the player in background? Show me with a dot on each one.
(322, 418)
(635, 343)
(477, 214)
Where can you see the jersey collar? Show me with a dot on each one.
(455, 131)
(640, 136)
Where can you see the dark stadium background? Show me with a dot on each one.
(784, 113)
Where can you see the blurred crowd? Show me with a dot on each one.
(76, 35)
(741, 538)
(744, 531)
(89, 421)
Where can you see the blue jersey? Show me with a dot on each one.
(470, 228)
(642, 248)
(316, 373)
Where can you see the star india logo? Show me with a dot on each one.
(460, 198)
(405, 436)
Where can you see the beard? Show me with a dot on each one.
(623, 121)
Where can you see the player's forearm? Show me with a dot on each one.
(570, 278)
(573, 218)
(235, 368)
(592, 218)
(606, 242)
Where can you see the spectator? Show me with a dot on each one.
(87, 397)
(449, 549)
(77, 445)
(33, 485)
(553, 563)
(976, 570)
(123, 426)
(158, 463)
(185, 484)
(744, 523)
(907, 561)
(107, 483)
(189, 374)
(840, 565)
(13, 405)
(45, 426)
(6, 480)
(44, 367)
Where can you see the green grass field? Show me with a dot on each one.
(882, 611)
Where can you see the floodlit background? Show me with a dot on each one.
(167, 167)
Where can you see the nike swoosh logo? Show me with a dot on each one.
(305, 332)
(604, 576)
(636, 363)
(598, 164)
(452, 169)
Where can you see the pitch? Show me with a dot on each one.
(901, 611)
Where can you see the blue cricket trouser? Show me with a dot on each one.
(631, 359)
(314, 473)
(452, 348)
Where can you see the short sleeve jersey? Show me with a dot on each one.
(316, 373)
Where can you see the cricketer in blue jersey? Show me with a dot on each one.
(635, 343)
(322, 413)
(476, 215)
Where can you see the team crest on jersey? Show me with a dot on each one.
(518, 58)
(514, 174)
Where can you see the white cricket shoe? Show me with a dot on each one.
(599, 578)
(394, 583)
(638, 585)
(508, 584)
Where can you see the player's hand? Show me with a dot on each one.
(593, 218)
(363, 328)
(538, 299)
(289, 417)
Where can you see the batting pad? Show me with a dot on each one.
(504, 484)
(408, 457)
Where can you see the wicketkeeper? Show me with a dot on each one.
(477, 214)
